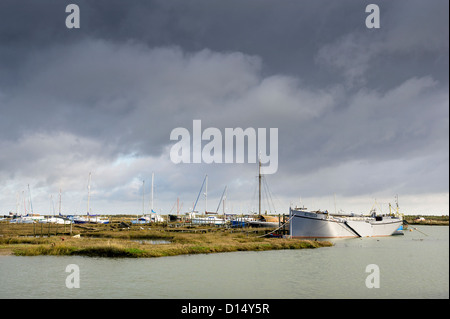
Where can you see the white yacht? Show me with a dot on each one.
(306, 224)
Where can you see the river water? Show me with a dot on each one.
(414, 265)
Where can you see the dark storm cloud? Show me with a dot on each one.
(286, 34)
(348, 101)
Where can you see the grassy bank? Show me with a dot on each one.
(104, 241)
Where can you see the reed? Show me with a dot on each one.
(125, 249)
(106, 242)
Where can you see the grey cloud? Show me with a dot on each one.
(348, 102)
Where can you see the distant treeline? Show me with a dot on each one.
(427, 220)
(429, 217)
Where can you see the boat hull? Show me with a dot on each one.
(208, 221)
(320, 225)
(258, 223)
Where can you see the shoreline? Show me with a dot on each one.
(144, 241)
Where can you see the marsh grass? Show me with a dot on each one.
(106, 242)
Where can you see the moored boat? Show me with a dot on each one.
(22, 220)
(55, 220)
(241, 221)
(208, 220)
(147, 219)
(399, 230)
(306, 224)
(265, 221)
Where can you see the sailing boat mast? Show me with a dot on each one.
(89, 192)
(259, 179)
(206, 195)
(153, 176)
(199, 193)
(24, 203)
(223, 203)
(143, 198)
(53, 204)
(17, 203)
(31, 203)
(396, 203)
(220, 201)
(60, 201)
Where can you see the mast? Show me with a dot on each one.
(153, 176)
(396, 203)
(31, 203)
(224, 196)
(199, 193)
(89, 192)
(206, 195)
(17, 203)
(24, 203)
(259, 179)
(60, 201)
(53, 204)
(143, 198)
(223, 205)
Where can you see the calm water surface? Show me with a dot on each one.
(411, 266)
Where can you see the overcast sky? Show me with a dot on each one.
(362, 114)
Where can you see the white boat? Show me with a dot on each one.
(78, 219)
(22, 220)
(97, 220)
(399, 231)
(205, 220)
(153, 217)
(93, 219)
(28, 219)
(145, 219)
(142, 220)
(156, 218)
(306, 224)
(208, 220)
(55, 220)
